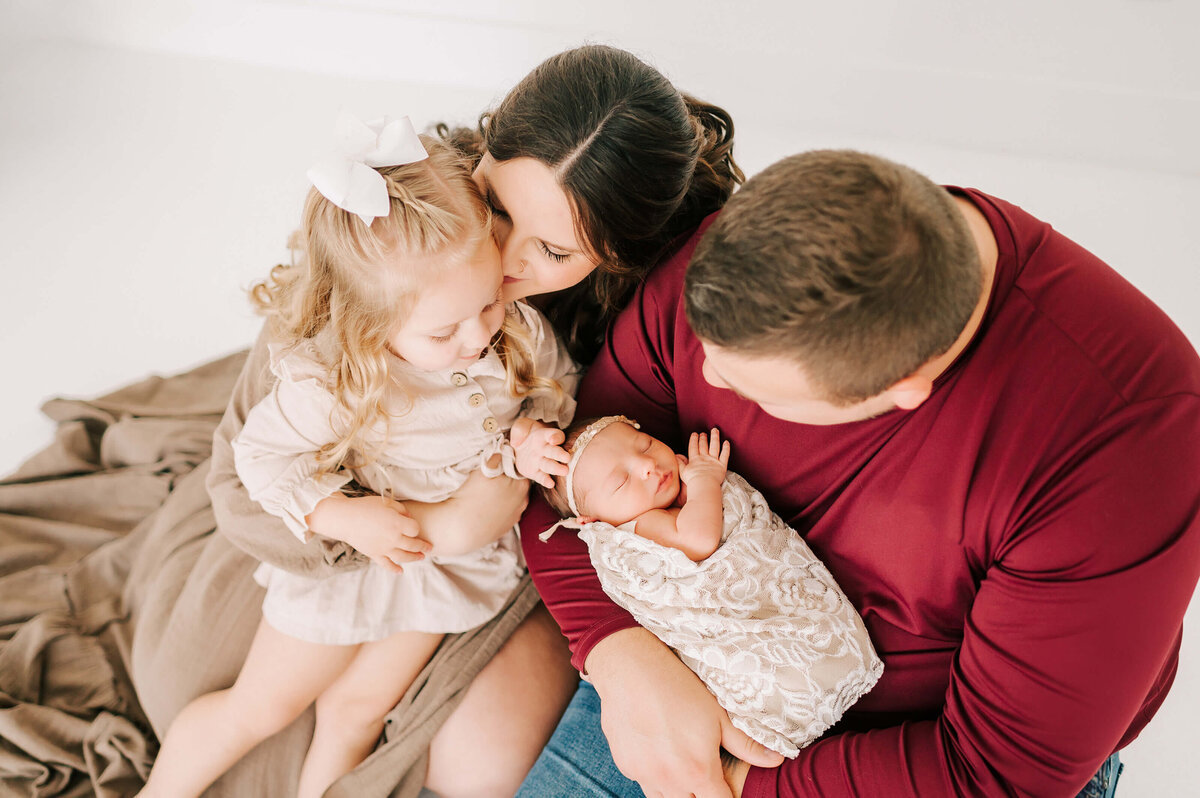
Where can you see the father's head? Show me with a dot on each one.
(829, 283)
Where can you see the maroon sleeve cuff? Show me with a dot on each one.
(601, 629)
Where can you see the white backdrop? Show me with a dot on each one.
(152, 153)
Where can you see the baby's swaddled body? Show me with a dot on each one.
(761, 621)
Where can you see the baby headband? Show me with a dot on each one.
(581, 443)
(348, 178)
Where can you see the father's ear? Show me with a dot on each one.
(910, 392)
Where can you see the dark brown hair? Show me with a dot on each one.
(859, 269)
(640, 163)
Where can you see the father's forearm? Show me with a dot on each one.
(906, 761)
(625, 655)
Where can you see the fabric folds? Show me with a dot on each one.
(120, 601)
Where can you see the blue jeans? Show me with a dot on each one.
(1104, 783)
(578, 763)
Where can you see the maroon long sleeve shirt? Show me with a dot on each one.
(1022, 546)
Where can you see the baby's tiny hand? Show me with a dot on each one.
(520, 431)
(708, 457)
(539, 452)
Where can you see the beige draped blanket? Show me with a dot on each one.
(121, 600)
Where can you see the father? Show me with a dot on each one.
(990, 438)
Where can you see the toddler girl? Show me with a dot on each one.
(696, 556)
(399, 370)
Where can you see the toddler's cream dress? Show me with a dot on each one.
(761, 621)
(444, 425)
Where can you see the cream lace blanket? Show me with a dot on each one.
(761, 621)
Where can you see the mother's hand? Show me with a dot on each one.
(664, 727)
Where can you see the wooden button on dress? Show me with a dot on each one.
(490, 424)
(475, 400)
(459, 379)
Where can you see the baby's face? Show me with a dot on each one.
(623, 473)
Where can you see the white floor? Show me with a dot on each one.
(141, 193)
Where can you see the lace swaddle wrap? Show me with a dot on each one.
(761, 621)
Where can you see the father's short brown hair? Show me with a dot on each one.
(859, 269)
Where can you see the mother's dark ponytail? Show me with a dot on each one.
(716, 174)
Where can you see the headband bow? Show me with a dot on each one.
(348, 179)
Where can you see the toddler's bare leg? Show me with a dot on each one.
(281, 677)
(350, 711)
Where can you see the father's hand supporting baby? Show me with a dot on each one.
(736, 772)
(664, 727)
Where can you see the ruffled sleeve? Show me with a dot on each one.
(553, 362)
(276, 451)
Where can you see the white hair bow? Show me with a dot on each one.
(348, 179)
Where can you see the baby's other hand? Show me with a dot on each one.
(708, 458)
(539, 452)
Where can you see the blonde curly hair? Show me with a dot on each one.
(344, 280)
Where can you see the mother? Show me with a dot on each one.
(594, 165)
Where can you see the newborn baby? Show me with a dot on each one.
(632, 479)
(697, 557)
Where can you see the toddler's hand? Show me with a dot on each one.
(708, 458)
(379, 527)
(539, 452)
